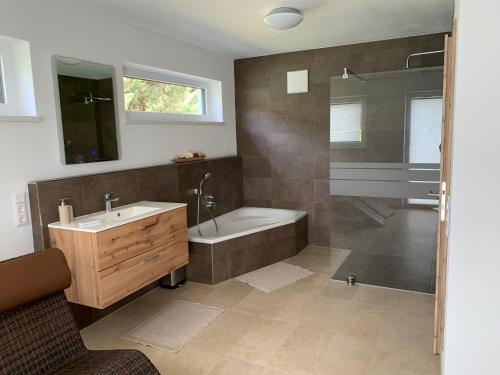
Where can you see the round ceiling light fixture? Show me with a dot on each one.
(283, 18)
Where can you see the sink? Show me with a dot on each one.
(101, 221)
(127, 213)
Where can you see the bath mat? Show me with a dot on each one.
(175, 326)
(275, 276)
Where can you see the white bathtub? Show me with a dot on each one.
(243, 221)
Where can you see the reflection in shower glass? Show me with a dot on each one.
(385, 134)
(347, 123)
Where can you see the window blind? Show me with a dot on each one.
(346, 122)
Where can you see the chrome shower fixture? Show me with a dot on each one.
(208, 201)
(347, 73)
(407, 66)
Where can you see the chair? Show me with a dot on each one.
(38, 334)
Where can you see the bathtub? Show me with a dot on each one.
(243, 221)
(249, 238)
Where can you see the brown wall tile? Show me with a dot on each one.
(123, 185)
(256, 166)
(293, 131)
(161, 183)
(257, 188)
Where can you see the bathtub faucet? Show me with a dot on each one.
(208, 201)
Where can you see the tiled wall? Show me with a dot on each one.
(284, 139)
(160, 183)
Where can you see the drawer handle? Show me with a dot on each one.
(149, 225)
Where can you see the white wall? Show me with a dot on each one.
(30, 151)
(472, 326)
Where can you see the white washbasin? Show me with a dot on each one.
(101, 221)
(123, 214)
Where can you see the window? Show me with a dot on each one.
(425, 116)
(2, 95)
(17, 96)
(425, 130)
(163, 96)
(153, 96)
(346, 123)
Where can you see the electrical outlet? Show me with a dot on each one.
(20, 208)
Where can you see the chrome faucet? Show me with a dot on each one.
(108, 201)
(208, 201)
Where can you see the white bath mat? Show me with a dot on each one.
(175, 325)
(275, 276)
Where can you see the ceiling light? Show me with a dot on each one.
(283, 18)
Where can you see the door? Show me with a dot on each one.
(445, 188)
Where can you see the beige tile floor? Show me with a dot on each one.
(315, 326)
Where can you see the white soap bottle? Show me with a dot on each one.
(65, 211)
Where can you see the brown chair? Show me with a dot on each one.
(37, 332)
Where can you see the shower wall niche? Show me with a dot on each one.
(385, 131)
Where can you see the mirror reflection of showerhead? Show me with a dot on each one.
(90, 98)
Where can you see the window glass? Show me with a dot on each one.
(425, 130)
(2, 90)
(153, 96)
(346, 122)
(425, 135)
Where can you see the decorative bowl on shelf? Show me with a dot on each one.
(196, 156)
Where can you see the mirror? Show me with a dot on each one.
(87, 110)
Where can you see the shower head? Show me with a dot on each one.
(205, 177)
(348, 73)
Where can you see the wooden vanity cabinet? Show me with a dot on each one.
(109, 265)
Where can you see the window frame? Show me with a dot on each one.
(431, 94)
(2, 88)
(415, 95)
(203, 99)
(174, 78)
(361, 99)
(18, 87)
(9, 106)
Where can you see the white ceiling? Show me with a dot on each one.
(236, 27)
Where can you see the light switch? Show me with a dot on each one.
(19, 206)
(297, 81)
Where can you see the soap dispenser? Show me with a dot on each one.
(65, 211)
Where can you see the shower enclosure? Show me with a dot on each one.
(385, 133)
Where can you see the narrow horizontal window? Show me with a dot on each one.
(143, 95)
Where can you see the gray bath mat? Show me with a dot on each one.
(175, 325)
(275, 276)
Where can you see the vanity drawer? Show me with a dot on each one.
(125, 278)
(118, 244)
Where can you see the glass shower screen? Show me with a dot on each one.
(385, 134)
(385, 131)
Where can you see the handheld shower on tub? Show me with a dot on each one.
(208, 201)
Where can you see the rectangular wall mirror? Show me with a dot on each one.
(87, 110)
